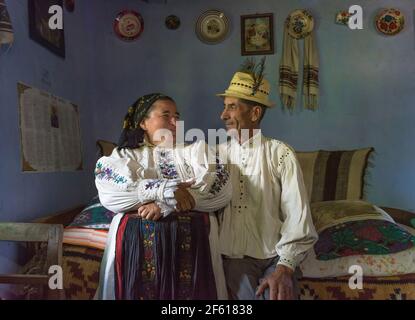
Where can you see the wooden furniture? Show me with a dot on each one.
(81, 266)
(35, 232)
(64, 217)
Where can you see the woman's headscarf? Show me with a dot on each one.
(132, 135)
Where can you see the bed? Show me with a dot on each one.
(379, 240)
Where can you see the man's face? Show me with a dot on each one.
(237, 115)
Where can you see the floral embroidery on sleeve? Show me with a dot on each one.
(222, 176)
(166, 165)
(153, 184)
(107, 173)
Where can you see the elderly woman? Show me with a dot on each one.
(165, 194)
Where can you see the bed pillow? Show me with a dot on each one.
(372, 265)
(364, 237)
(334, 175)
(85, 237)
(94, 216)
(331, 213)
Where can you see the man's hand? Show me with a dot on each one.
(185, 201)
(280, 284)
(150, 211)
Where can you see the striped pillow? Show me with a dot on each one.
(334, 175)
(85, 237)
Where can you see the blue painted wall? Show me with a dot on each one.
(26, 196)
(367, 89)
(367, 80)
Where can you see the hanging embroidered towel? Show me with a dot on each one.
(299, 25)
(6, 30)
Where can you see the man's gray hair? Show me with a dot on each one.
(253, 104)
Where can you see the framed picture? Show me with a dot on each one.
(39, 30)
(257, 34)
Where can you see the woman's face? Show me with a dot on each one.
(162, 116)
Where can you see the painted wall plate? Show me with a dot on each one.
(172, 22)
(128, 25)
(390, 21)
(212, 27)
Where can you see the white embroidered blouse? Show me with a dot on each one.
(269, 213)
(131, 177)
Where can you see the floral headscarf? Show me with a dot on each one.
(132, 135)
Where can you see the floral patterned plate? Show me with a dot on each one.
(128, 25)
(300, 24)
(390, 21)
(212, 27)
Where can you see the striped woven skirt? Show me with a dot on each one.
(165, 260)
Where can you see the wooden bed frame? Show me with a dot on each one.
(65, 217)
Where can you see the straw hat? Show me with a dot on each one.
(242, 86)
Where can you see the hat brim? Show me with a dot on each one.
(268, 104)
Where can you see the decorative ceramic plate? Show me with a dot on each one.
(390, 21)
(300, 24)
(342, 17)
(172, 22)
(128, 25)
(212, 27)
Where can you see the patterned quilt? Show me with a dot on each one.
(80, 271)
(373, 288)
(81, 274)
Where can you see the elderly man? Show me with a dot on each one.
(267, 227)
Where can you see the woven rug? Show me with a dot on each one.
(81, 271)
(374, 288)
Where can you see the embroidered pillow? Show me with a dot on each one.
(94, 216)
(366, 237)
(334, 175)
(330, 213)
(105, 147)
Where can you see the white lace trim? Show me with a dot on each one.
(157, 189)
(290, 263)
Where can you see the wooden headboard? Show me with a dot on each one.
(401, 216)
(63, 217)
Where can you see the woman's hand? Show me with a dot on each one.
(150, 211)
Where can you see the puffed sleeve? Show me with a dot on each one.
(298, 233)
(122, 185)
(212, 189)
